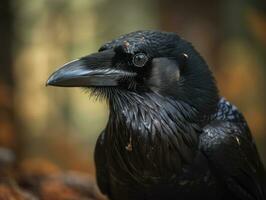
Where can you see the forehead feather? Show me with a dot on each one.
(142, 41)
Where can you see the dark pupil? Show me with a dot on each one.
(139, 60)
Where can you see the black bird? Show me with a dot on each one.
(169, 135)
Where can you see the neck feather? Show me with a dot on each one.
(148, 121)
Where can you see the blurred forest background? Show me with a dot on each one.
(52, 129)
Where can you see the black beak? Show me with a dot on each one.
(90, 71)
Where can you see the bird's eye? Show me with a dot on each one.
(140, 59)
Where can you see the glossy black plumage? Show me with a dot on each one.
(169, 134)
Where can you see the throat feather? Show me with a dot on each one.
(151, 124)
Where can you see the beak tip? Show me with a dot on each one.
(47, 83)
(50, 81)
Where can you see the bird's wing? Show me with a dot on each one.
(234, 159)
(101, 166)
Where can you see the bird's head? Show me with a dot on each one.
(144, 62)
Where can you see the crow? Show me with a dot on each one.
(170, 135)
